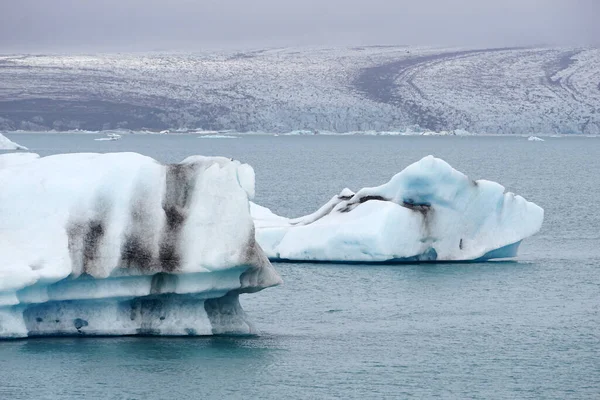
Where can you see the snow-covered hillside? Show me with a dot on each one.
(382, 88)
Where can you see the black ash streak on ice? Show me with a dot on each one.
(180, 178)
(136, 252)
(86, 238)
(352, 204)
(149, 246)
(424, 209)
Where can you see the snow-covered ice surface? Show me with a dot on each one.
(13, 159)
(7, 144)
(119, 244)
(427, 212)
(359, 89)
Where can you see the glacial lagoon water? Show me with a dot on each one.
(526, 329)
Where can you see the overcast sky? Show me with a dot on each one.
(141, 25)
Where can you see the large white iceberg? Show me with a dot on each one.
(119, 244)
(7, 144)
(427, 212)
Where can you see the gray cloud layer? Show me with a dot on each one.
(137, 25)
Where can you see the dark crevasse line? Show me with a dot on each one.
(378, 83)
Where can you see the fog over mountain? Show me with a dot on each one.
(142, 25)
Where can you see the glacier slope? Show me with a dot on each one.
(115, 244)
(373, 88)
(427, 212)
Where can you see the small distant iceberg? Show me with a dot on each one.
(454, 132)
(110, 137)
(7, 144)
(302, 132)
(218, 137)
(207, 132)
(113, 136)
(535, 139)
(427, 212)
(409, 131)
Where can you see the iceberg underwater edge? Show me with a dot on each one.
(119, 244)
(429, 212)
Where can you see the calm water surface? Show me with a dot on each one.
(527, 329)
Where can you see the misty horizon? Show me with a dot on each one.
(182, 25)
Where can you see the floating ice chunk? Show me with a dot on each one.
(120, 244)
(535, 139)
(454, 132)
(427, 212)
(218, 137)
(7, 144)
(301, 132)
